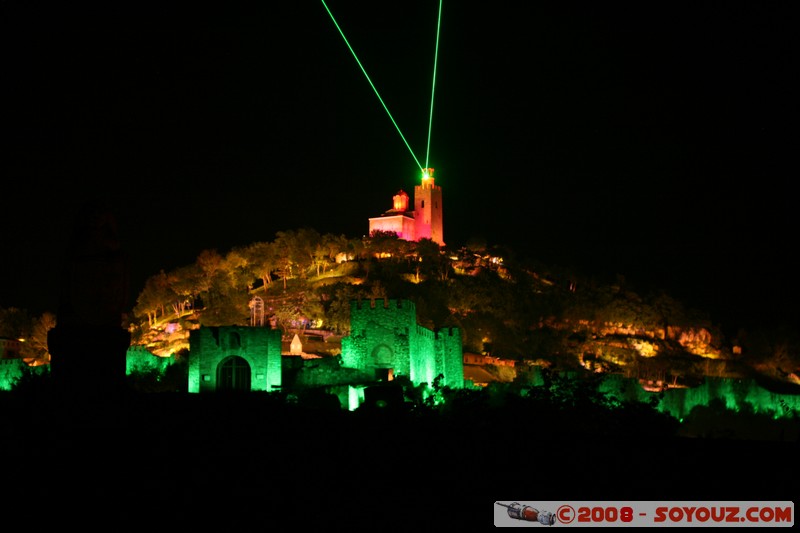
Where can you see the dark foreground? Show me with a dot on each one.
(162, 460)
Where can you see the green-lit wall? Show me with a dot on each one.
(259, 347)
(10, 371)
(450, 356)
(736, 394)
(384, 334)
(140, 359)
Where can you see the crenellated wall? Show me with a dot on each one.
(385, 337)
(385, 342)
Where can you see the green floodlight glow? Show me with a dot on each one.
(736, 395)
(397, 127)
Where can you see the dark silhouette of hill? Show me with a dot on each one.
(252, 461)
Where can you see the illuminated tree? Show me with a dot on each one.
(667, 312)
(35, 350)
(262, 260)
(229, 309)
(327, 248)
(528, 310)
(386, 244)
(237, 268)
(425, 257)
(308, 247)
(358, 247)
(337, 244)
(186, 284)
(155, 297)
(286, 248)
(288, 314)
(210, 263)
(228, 302)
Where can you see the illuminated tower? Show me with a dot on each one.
(428, 219)
(424, 222)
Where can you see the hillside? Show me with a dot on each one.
(527, 313)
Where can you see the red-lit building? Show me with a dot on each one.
(424, 221)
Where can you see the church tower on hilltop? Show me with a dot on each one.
(425, 221)
(428, 209)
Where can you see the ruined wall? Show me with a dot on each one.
(423, 356)
(325, 372)
(379, 335)
(385, 334)
(449, 357)
(140, 359)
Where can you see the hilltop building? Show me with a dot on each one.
(385, 341)
(424, 221)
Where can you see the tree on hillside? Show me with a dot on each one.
(155, 297)
(227, 300)
(236, 265)
(308, 247)
(35, 350)
(186, 284)
(288, 252)
(387, 245)
(210, 263)
(357, 248)
(288, 313)
(668, 311)
(335, 245)
(262, 259)
(431, 261)
(519, 310)
(336, 307)
(326, 249)
(224, 296)
(625, 308)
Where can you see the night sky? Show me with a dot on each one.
(646, 139)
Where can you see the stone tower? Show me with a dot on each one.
(428, 218)
(424, 221)
(385, 341)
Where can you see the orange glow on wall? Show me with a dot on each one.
(400, 201)
(423, 221)
(427, 178)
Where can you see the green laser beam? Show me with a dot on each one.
(430, 120)
(433, 83)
